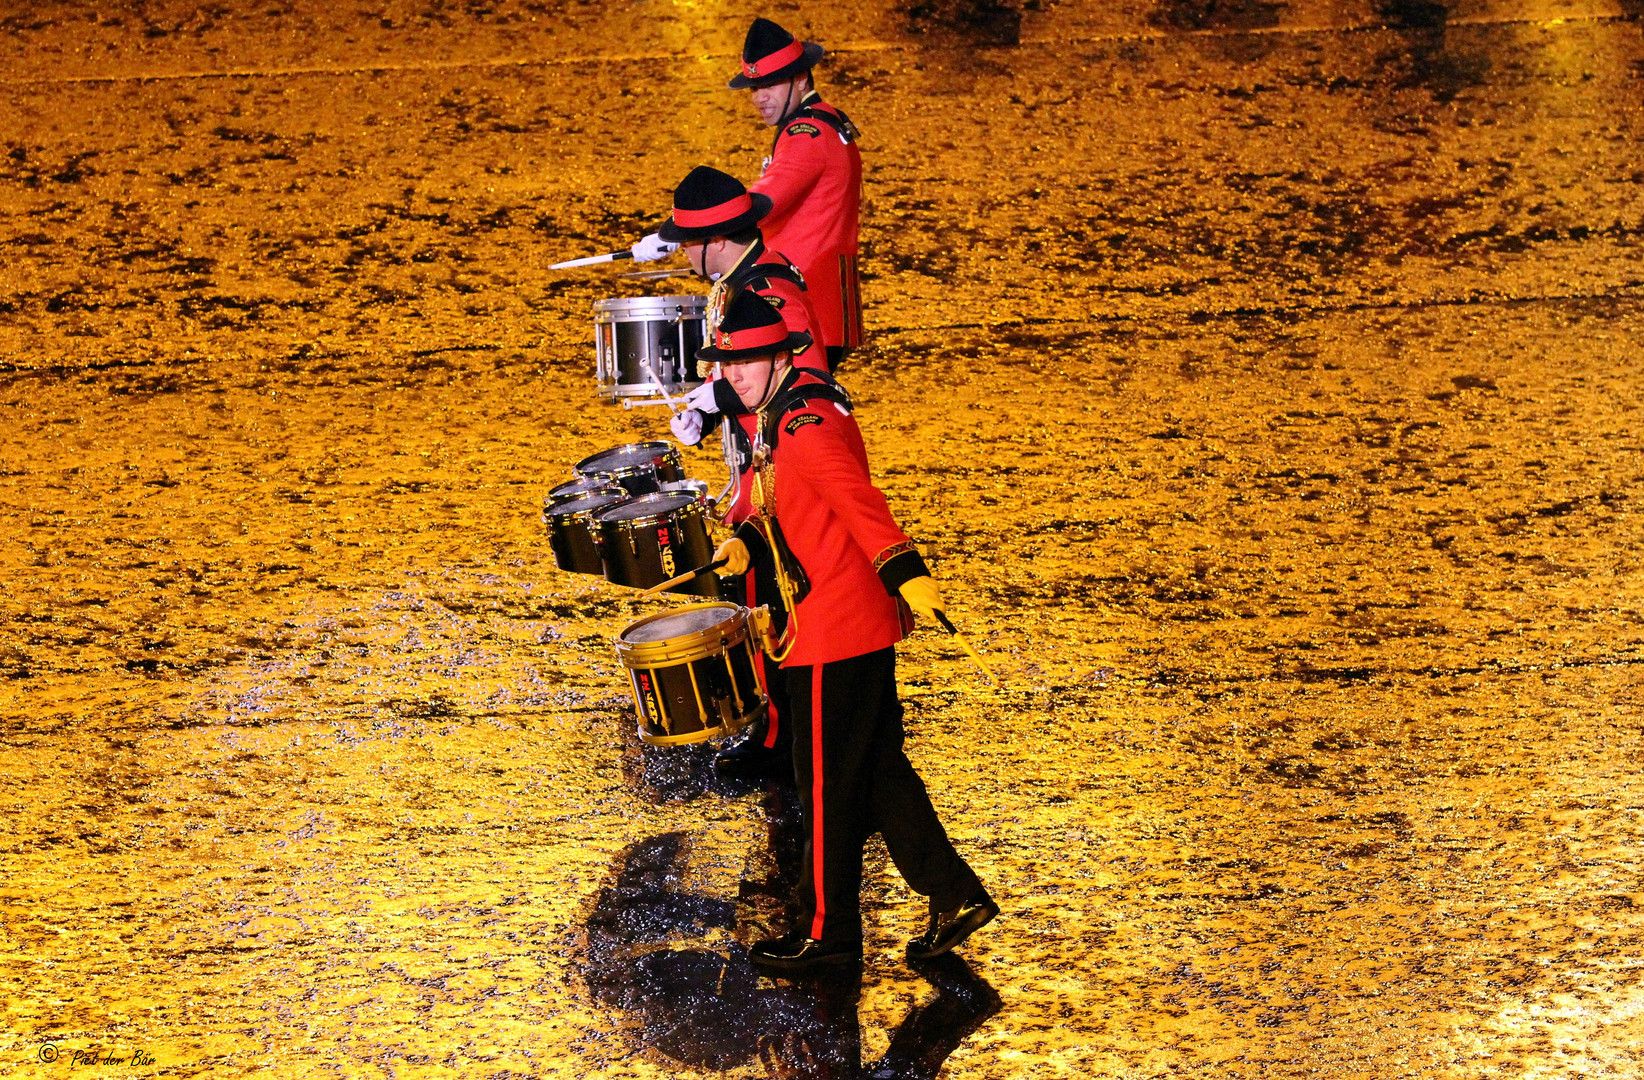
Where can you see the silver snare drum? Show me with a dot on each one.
(645, 346)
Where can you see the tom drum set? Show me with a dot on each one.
(631, 516)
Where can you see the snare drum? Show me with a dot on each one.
(650, 538)
(573, 534)
(593, 484)
(638, 467)
(645, 346)
(692, 672)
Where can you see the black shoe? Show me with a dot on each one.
(751, 759)
(950, 928)
(793, 954)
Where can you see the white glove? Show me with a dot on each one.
(702, 398)
(652, 248)
(687, 426)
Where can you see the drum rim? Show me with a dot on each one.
(611, 304)
(720, 731)
(610, 487)
(733, 630)
(586, 512)
(667, 448)
(648, 519)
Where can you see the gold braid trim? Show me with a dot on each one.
(892, 552)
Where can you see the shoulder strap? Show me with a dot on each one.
(836, 119)
(745, 277)
(800, 395)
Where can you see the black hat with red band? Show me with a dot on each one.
(771, 55)
(709, 203)
(750, 330)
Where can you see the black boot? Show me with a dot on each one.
(750, 759)
(795, 954)
(949, 929)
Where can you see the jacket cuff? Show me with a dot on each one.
(710, 424)
(750, 535)
(725, 397)
(899, 564)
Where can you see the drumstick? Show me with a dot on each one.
(592, 260)
(964, 643)
(667, 398)
(655, 275)
(687, 576)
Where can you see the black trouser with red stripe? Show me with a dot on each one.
(855, 780)
(778, 711)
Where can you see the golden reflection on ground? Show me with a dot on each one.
(1266, 400)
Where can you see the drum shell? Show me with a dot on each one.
(645, 551)
(573, 534)
(640, 468)
(699, 685)
(665, 331)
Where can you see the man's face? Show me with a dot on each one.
(775, 102)
(696, 255)
(751, 380)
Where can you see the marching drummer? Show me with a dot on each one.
(716, 220)
(822, 520)
(812, 180)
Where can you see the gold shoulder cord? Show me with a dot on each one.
(713, 312)
(762, 494)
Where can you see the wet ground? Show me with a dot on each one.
(1259, 377)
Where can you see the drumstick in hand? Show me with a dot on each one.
(674, 406)
(687, 576)
(964, 643)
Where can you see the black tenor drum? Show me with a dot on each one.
(650, 538)
(693, 673)
(645, 346)
(638, 467)
(573, 533)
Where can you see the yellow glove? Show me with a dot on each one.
(923, 595)
(735, 554)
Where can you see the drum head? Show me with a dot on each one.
(657, 504)
(644, 308)
(586, 485)
(679, 623)
(581, 504)
(619, 458)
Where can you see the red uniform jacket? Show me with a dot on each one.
(840, 529)
(814, 181)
